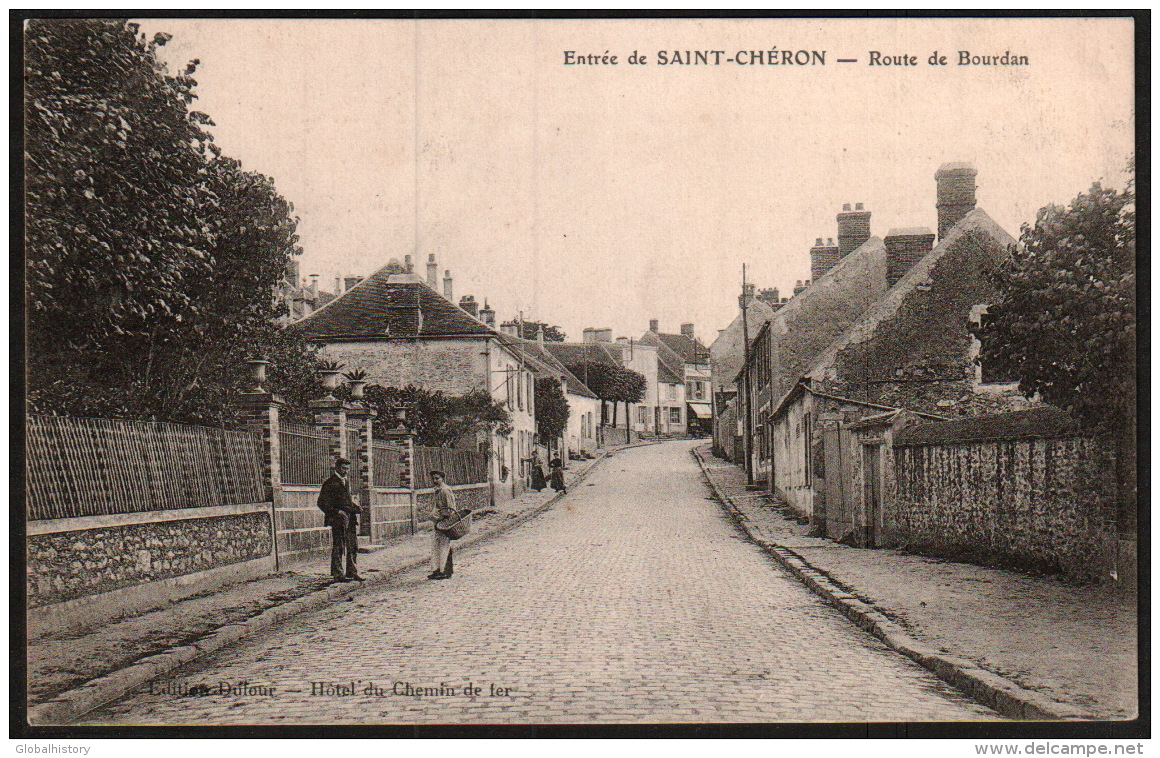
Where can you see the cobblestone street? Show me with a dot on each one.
(632, 600)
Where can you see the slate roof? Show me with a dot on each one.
(690, 350)
(667, 375)
(386, 305)
(570, 353)
(574, 385)
(1033, 423)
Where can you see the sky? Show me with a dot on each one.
(607, 195)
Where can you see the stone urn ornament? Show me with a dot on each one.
(358, 383)
(330, 372)
(258, 373)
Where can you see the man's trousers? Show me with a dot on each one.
(344, 540)
(440, 551)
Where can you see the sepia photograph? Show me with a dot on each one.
(545, 375)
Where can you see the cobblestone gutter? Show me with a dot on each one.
(1005, 696)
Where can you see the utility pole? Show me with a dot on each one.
(746, 404)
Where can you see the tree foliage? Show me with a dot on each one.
(610, 383)
(439, 420)
(151, 258)
(1065, 321)
(552, 409)
(531, 331)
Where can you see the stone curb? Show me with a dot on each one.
(68, 706)
(1003, 695)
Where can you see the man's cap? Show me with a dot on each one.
(341, 460)
(440, 473)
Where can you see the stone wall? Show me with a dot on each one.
(472, 496)
(1044, 504)
(452, 366)
(302, 535)
(71, 564)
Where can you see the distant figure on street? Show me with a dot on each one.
(442, 566)
(538, 481)
(342, 514)
(557, 466)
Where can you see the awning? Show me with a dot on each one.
(700, 410)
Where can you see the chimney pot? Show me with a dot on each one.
(853, 229)
(818, 242)
(857, 206)
(407, 265)
(654, 325)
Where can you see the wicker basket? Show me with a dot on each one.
(454, 527)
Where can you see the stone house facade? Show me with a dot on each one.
(401, 331)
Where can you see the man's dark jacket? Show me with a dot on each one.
(335, 497)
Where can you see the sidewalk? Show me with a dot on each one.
(1070, 649)
(73, 672)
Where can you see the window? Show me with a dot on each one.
(695, 390)
(674, 415)
(985, 373)
(519, 389)
(672, 391)
(642, 415)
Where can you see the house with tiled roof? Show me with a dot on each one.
(598, 347)
(402, 331)
(583, 405)
(910, 349)
(686, 358)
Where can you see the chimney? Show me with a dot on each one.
(589, 335)
(823, 257)
(447, 285)
(622, 340)
(432, 272)
(904, 248)
(467, 303)
(654, 325)
(603, 335)
(770, 297)
(408, 267)
(350, 282)
(314, 285)
(798, 287)
(487, 315)
(853, 229)
(404, 316)
(510, 328)
(955, 195)
(337, 286)
(540, 335)
(746, 294)
(687, 330)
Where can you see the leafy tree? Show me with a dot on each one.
(151, 258)
(531, 330)
(552, 409)
(439, 420)
(1065, 320)
(610, 383)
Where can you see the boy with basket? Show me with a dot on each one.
(450, 524)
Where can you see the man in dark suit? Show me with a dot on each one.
(342, 517)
